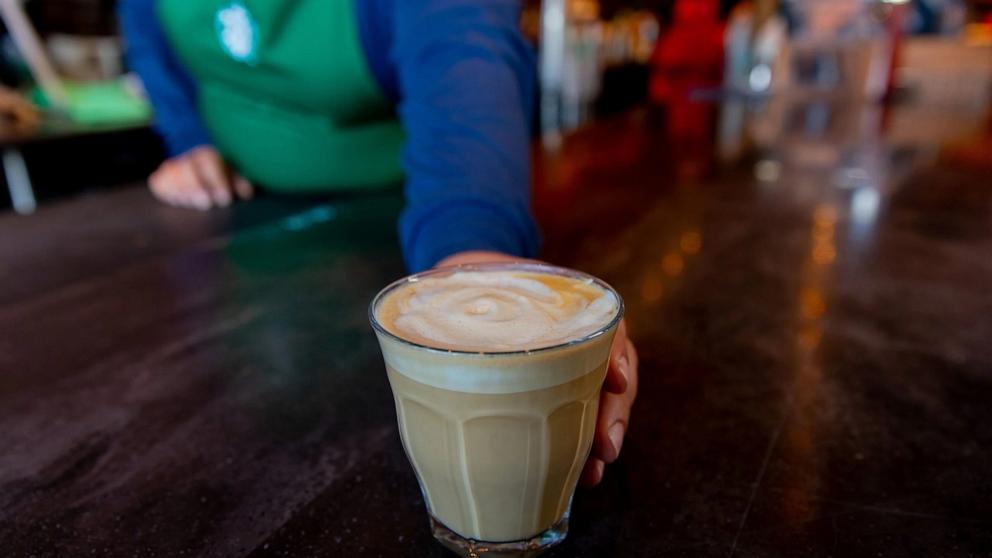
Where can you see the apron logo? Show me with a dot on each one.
(237, 31)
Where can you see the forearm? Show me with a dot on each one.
(170, 89)
(467, 80)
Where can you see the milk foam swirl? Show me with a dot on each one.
(501, 310)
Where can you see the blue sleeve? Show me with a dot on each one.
(170, 89)
(466, 81)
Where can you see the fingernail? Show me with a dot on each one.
(616, 438)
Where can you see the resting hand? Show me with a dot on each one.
(198, 179)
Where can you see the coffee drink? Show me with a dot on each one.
(496, 371)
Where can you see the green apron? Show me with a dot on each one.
(285, 93)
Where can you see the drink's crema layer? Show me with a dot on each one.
(497, 310)
(496, 373)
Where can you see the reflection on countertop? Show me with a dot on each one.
(811, 310)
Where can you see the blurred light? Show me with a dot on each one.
(853, 177)
(823, 235)
(864, 205)
(554, 16)
(809, 336)
(760, 78)
(824, 249)
(895, 2)
(824, 254)
(824, 216)
(812, 305)
(691, 243)
(309, 218)
(767, 170)
(672, 264)
(651, 289)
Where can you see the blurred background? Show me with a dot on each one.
(792, 196)
(790, 86)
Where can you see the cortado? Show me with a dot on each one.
(496, 370)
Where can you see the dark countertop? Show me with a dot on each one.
(816, 365)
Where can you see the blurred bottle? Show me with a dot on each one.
(582, 75)
(756, 34)
(754, 38)
(570, 63)
(842, 48)
(629, 38)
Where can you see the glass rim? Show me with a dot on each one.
(521, 265)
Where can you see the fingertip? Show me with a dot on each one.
(617, 376)
(603, 448)
(176, 201)
(222, 197)
(593, 472)
(616, 434)
(200, 200)
(243, 188)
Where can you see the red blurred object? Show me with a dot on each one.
(689, 57)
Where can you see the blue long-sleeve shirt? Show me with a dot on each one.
(463, 79)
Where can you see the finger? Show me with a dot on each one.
(619, 368)
(211, 172)
(592, 474)
(611, 427)
(633, 372)
(155, 185)
(164, 185)
(614, 414)
(193, 190)
(243, 188)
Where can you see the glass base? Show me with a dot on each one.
(529, 548)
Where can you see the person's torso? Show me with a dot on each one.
(285, 92)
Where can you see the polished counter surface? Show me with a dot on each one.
(813, 313)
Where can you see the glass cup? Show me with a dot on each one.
(497, 439)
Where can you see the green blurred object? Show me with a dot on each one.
(99, 103)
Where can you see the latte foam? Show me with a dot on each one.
(496, 310)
